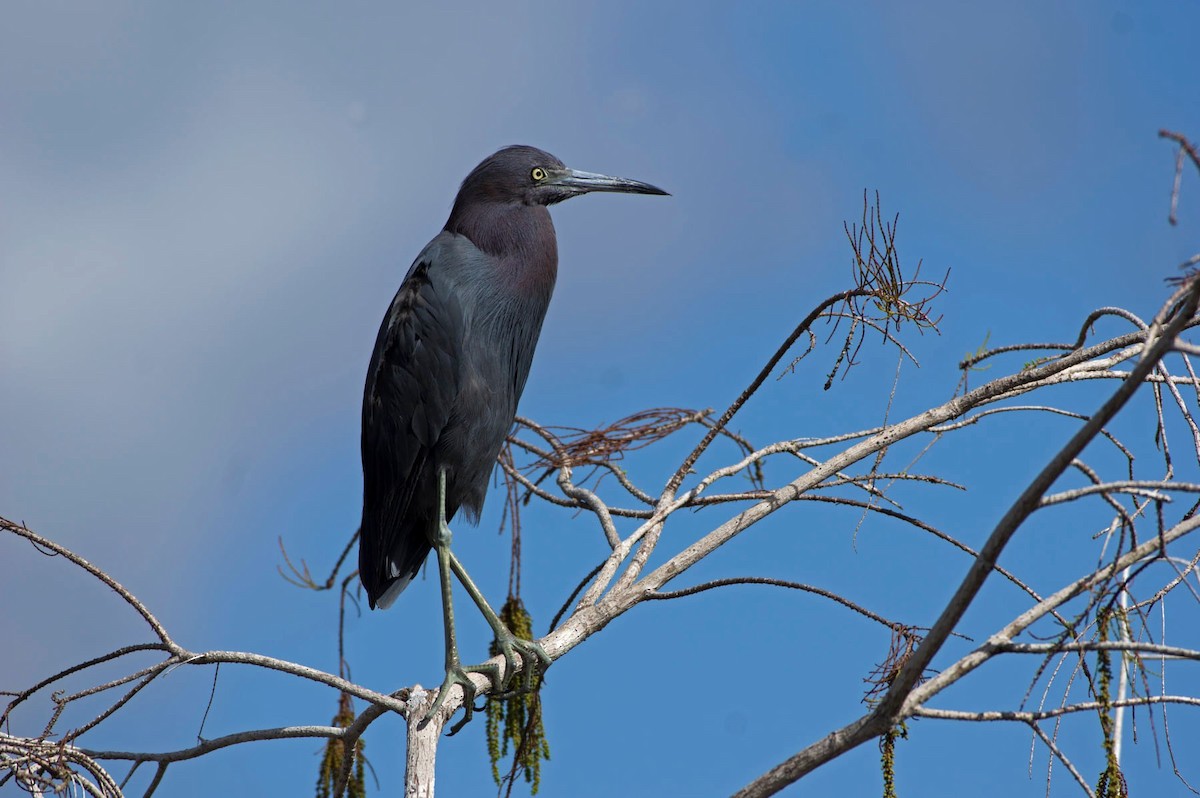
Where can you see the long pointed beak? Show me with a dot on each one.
(578, 182)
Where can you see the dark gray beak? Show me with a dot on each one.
(577, 182)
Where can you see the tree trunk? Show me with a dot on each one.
(422, 749)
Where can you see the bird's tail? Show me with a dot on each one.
(389, 558)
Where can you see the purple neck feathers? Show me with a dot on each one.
(520, 236)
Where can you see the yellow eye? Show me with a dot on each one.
(538, 173)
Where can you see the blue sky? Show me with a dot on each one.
(205, 210)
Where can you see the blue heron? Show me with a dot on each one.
(449, 366)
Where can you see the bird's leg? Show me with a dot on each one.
(533, 657)
(455, 673)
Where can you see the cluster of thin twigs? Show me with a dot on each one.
(171, 655)
(888, 297)
(41, 768)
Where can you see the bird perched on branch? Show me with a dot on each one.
(449, 365)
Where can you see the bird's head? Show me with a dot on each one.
(528, 176)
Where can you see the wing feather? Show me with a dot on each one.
(412, 383)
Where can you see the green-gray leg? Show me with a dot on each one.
(533, 657)
(455, 673)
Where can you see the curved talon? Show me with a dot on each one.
(454, 675)
(461, 676)
(457, 727)
(492, 673)
(534, 660)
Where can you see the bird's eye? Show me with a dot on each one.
(538, 173)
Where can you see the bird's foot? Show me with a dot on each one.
(534, 661)
(456, 674)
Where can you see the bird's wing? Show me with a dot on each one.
(411, 387)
